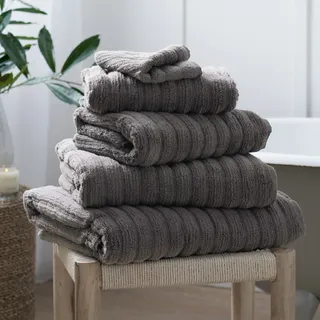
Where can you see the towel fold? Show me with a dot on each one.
(128, 234)
(168, 64)
(237, 181)
(213, 92)
(149, 138)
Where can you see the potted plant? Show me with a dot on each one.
(14, 69)
(17, 239)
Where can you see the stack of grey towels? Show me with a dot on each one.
(160, 166)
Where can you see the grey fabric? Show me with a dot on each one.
(213, 92)
(149, 138)
(168, 64)
(128, 234)
(236, 181)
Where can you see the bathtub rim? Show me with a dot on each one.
(288, 159)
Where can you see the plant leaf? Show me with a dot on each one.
(20, 22)
(2, 2)
(36, 80)
(27, 4)
(30, 10)
(26, 38)
(5, 19)
(78, 90)
(85, 49)
(17, 76)
(28, 46)
(6, 66)
(14, 50)
(46, 47)
(65, 94)
(5, 58)
(5, 80)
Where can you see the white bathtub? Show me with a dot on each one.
(294, 150)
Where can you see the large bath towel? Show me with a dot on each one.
(130, 234)
(168, 64)
(149, 138)
(236, 181)
(213, 92)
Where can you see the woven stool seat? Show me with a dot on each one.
(83, 278)
(218, 268)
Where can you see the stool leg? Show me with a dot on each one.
(242, 300)
(283, 289)
(63, 289)
(87, 291)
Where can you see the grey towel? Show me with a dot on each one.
(213, 92)
(130, 234)
(149, 138)
(237, 181)
(168, 64)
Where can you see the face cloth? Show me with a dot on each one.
(169, 64)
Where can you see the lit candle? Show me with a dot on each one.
(9, 180)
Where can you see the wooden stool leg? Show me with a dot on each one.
(283, 289)
(87, 291)
(242, 300)
(63, 289)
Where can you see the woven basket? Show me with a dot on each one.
(17, 262)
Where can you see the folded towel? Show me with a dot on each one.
(148, 138)
(130, 234)
(213, 92)
(168, 64)
(237, 181)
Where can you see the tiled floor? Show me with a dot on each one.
(187, 303)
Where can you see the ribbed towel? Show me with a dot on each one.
(237, 181)
(149, 138)
(168, 64)
(127, 234)
(213, 92)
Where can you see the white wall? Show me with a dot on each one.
(66, 30)
(263, 45)
(314, 58)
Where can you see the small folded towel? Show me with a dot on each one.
(213, 92)
(237, 181)
(149, 138)
(128, 234)
(168, 64)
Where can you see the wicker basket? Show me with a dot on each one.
(17, 262)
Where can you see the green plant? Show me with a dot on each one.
(14, 71)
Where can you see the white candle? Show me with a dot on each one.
(9, 180)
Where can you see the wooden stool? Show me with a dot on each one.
(79, 281)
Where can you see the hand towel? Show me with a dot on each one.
(168, 64)
(128, 234)
(236, 181)
(213, 92)
(149, 138)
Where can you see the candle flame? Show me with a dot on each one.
(6, 170)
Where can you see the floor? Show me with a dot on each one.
(187, 303)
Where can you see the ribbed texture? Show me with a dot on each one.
(96, 181)
(127, 234)
(168, 64)
(148, 138)
(213, 92)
